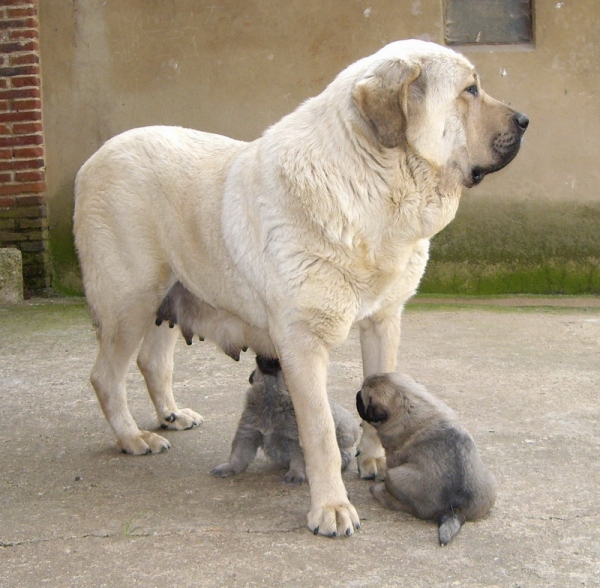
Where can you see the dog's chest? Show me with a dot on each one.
(375, 269)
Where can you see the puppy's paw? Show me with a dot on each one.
(340, 520)
(223, 471)
(143, 444)
(294, 478)
(180, 420)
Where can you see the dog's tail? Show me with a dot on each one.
(449, 525)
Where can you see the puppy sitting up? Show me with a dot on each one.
(269, 421)
(434, 471)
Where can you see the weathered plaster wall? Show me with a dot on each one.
(235, 67)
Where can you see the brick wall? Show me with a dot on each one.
(23, 219)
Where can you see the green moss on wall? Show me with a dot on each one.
(496, 246)
(493, 246)
(67, 277)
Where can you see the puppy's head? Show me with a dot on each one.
(397, 404)
(265, 367)
(379, 399)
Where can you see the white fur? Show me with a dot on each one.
(292, 238)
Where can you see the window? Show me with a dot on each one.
(488, 22)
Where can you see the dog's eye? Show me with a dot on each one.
(474, 90)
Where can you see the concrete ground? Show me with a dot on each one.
(523, 374)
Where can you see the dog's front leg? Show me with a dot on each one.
(379, 341)
(304, 361)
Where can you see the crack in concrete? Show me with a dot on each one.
(18, 543)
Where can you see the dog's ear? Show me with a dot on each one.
(385, 96)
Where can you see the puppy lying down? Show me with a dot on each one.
(269, 421)
(434, 471)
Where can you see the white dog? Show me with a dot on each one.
(286, 241)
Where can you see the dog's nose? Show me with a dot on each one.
(522, 121)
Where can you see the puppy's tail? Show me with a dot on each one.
(449, 525)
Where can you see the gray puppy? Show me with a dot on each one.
(434, 471)
(269, 421)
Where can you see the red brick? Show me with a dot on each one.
(25, 82)
(5, 129)
(8, 189)
(22, 23)
(17, 34)
(21, 164)
(17, 2)
(20, 117)
(18, 47)
(4, 105)
(6, 201)
(30, 176)
(20, 70)
(6, 153)
(20, 12)
(24, 59)
(21, 141)
(20, 93)
(3, 83)
(28, 152)
(6, 178)
(26, 128)
(31, 104)
(29, 200)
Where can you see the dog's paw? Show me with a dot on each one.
(334, 521)
(223, 471)
(371, 468)
(182, 419)
(294, 478)
(143, 444)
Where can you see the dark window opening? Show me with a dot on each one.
(488, 22)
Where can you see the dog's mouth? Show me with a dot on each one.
(505, 146)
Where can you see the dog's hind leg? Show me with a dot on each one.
(155, 361)
(108, 378)
(387, 499)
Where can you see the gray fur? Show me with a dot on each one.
(434, 469)
(269, 421)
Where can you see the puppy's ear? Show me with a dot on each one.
(382, 97)
(373, 413)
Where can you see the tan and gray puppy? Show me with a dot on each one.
(269, 421)
(434, 471)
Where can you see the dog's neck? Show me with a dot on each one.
(400, 193)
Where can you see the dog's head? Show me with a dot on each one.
(420, 96)
(378, 399)
(266, 367)
(397, 406)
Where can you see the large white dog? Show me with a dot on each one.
(286, 241)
